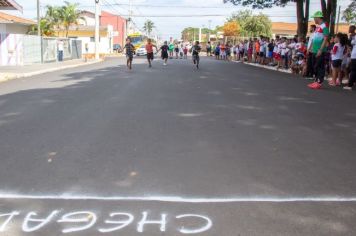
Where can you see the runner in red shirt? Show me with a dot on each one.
(149, 49)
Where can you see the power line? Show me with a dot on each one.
(170, 6)
(192, 16)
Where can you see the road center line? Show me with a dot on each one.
(177, 199)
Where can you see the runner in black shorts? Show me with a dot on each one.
(149, 49)
(195, 52)
(164, 49)
(130, 49)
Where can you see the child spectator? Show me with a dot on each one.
(337, 54)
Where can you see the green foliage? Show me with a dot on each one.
(57, 18)
(69, 15)
(259, 4)
(46, 28)
(252, 25)
(148, 27)
(191, 34)
(349, 15)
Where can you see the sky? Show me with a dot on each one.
(172, 26)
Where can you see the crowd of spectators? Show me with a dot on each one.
(316, 57)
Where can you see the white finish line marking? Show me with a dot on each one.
(176, 199)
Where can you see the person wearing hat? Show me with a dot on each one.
(319, 47)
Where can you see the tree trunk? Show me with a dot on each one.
(329, 12)
(333, 16)
(302, 17)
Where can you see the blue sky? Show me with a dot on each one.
(167, 27)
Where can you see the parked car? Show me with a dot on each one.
(117, 48)
(141, 51)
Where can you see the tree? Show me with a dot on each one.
(231, 28)
(259, 4)
(302, 8)
(148, 27)
(259, 25)
(329, 8)
(349, 15)
(53, 16)
(69, 15)
(192, 34)
(46, 28)
(252, 25)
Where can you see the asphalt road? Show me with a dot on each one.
(230, 150)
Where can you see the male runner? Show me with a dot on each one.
(195, 53)
(149, 49)
(130, 49)
(164, 49)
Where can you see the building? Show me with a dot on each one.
(10, 24)
(119, 25)
(12, 31)
(10, 5)
(290, 29)
(112, 31)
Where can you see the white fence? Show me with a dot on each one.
(18, 49)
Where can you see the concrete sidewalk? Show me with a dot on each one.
(15, 72)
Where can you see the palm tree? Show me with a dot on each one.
(53, 15)
(46, 28)
(148, 27)
(69, 15)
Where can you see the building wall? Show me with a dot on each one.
(88, 20)
(2, 28)
(11, 49)
(14, 28)
(119, 26)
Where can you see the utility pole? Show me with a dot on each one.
(338, 20)
(39, 30)
(130, 18)
(200, 35)
(97, 32)
(209, 30)
(38, 19)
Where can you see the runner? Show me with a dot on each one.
(130, 49)
(319, 46)
(164, 53)
(195, 53)
(149, 49)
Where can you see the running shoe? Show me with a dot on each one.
(338, 83)
(316, 86)
(312, 84)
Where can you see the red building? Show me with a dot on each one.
(119, 26)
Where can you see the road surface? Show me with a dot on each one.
(227, 150)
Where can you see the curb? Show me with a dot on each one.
(10, 76)
(265, 67)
